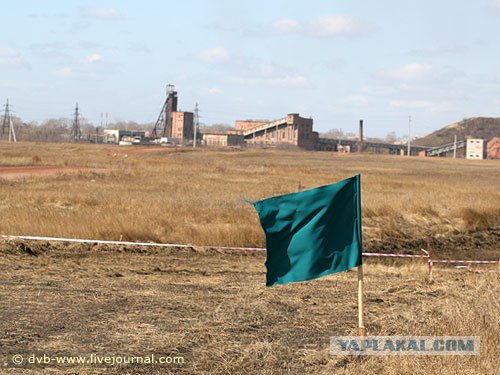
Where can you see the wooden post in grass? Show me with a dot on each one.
(429, 259)
(361, 324)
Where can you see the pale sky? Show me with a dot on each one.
(334, 61)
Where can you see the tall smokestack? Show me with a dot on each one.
(360, 136)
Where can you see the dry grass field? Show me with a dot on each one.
(195, 197)
(211, 307)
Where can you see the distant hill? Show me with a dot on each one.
(475, 127)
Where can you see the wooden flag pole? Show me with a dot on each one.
(361, 323)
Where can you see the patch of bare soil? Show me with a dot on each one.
(479, 245)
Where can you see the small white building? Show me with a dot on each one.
(116, 135)
(475, 149)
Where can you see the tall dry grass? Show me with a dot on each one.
(195, 196)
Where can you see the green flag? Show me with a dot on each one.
(312, 233)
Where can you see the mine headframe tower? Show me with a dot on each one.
(163, 126)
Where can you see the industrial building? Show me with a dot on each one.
(182, 127)
(493, 148)
(221, 140)
(472, 149)
(291, 130)
(249, 124)
(475, 149)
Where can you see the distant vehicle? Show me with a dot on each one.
(136, 140)
(165, 140)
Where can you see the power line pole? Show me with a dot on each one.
(5, 118)
(409, 135)
(196, 124)
(76, 132)
(7, 122)
(455, 147)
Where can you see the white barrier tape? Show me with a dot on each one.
(466, 261)
(394, 255)
(38, 238)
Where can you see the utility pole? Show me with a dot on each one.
(196, 124)
(76, 132)
(97, 129)
(7, 122)
(409, 135)
(6, 116)
(455, 147)
(360, 136)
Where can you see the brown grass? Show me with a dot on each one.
(213, 309)
(210, 306)
(195, 196)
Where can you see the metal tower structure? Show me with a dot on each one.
(163, 126)
(76, 132)
(7, 123)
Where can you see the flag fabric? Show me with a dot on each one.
(312, 233)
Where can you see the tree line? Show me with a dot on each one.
(59, 130)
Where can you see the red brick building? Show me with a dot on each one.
(291, 130)
(182, 126)
(493, 148)
(248, 124)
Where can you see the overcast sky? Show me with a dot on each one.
(335, 61)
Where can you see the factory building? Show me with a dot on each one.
(291, 130)
(221, 140)
(493, 149)
(249, 124)
(182, 127)
(475, 149)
